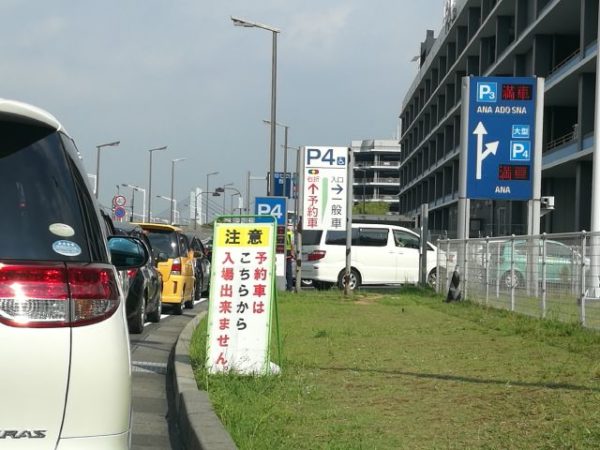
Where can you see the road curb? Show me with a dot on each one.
(199, 426)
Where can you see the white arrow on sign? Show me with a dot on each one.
(490, 148)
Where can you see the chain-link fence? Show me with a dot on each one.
(552, 276)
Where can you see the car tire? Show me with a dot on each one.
(177, 309)
(154, 316)
(355, 279)
(515, 280)
(189, 304)
(136, 326)
(432, 278)
(198, 290)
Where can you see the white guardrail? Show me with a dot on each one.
(553, 276)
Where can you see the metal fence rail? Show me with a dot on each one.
(552, 276)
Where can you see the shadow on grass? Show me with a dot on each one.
(442, 377)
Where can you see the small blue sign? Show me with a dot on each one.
(289, 185)
(520, 150)
(487, 92)
(271, 206)
(520, 131)
(500, 138)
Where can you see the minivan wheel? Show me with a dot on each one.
(432, 278)
(154, 316)
(354, 279)
(137, 323)
(189, 304)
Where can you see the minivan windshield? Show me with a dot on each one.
(40, 214)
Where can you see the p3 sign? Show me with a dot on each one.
(487, 92)
(271, 206)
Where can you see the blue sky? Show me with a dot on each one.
(178, 73)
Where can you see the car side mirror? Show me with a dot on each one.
(127, 252)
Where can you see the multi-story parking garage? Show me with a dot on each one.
(554, 39)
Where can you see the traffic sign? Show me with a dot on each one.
(325, 188)
(119, 200)
(500, 139)
(271, 206)
(119, 212)
(279, 183)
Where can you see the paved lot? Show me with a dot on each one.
(150, 353)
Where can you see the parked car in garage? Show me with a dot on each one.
(201, 267)
(178, 269)
(144, 297)
(66, 374)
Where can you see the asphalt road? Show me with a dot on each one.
(150, 351)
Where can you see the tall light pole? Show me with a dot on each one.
(207, 189)
(173, 161)
(285, 158)
(248, 24)
(152, 150)
(139, 189)
(222, 190)
(98, 147)
(248, 194)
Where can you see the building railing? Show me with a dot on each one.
(551, 276)
(562, 140)
(564, 62)
(378, 164)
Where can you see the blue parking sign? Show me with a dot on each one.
(520, 150)
(520, 131)
(487, 92)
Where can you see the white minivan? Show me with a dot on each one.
(381, 254)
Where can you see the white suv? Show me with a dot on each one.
(381, 254)
(65, 381)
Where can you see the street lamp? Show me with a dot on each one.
(248, 24)
(152, 150)
(98, 147)
(235, 194)
(285, 158)
(172, 201)
(133, 189)
(173, 208)
(207, 189)
(222, 190)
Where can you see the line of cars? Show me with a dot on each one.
(177, 272)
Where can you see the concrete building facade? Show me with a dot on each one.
(376, 176)
(554, 39)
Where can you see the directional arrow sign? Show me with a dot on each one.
(499, 147)
(490, 148)
(338, 189)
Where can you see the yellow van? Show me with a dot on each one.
(175, 263)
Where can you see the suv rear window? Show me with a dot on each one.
(41, 214)
(164, 241)
(311, 237)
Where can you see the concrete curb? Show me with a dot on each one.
(199, 426)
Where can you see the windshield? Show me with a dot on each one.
(164, 241)
(311, 237)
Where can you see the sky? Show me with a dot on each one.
(150, 73)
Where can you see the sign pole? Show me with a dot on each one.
(463, 203)
(349, 205)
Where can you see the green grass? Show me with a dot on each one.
(402, 369)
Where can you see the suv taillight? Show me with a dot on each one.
(131, 273)
(55, 295)
(315, 255)
(176, 267)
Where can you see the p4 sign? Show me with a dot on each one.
(325, 192)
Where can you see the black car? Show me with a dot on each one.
(201, 266)
(145, 284)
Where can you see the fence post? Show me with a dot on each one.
(438, 267)
(487, 270)
(583, 277)
(512, 273)
(544, 275)
(466, 271)
(498, 246)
